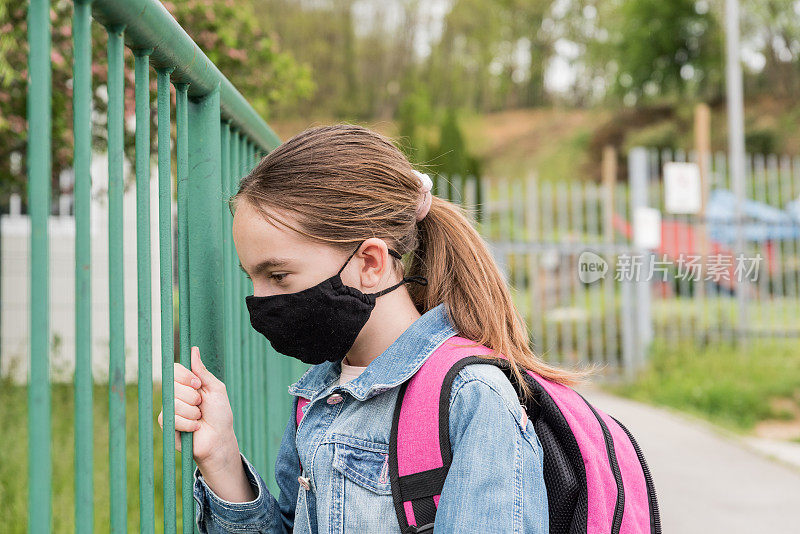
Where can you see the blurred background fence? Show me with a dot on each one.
(676, 283)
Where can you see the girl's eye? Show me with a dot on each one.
(278, 277)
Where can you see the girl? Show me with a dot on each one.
(320, 227)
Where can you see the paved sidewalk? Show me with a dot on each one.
(707, 481)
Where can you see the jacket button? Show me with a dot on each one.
(304, 481)
(334, 399)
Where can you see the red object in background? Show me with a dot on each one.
(681, 238)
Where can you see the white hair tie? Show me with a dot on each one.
(425, 186)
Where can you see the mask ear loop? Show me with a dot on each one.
(415, 278)
(391, 251)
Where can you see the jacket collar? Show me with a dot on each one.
(392, 367)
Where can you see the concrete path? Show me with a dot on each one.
(707, 480)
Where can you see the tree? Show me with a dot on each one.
(665, 49)
(227, 31)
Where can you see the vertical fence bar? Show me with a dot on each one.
(655, 186)
(565, 333)
(759, 178)
(775, 279)
(696, 223)
(204, 248)
(167, 298)
(259, 447)
(116, 293)
(532, 214)
(549, 289)
(228, 262)
(39, 170)
(145, 356)
(516, 209)
(609, 238)
(246, 337)
(643, 333)
(626, 313)
(671, 324)
(682, 240)
(592, 195)
(82, 133)
(724, 328)
(182, 146)
(206, 310)
(790, 249)
(794, 177)
(238, 305)
(578, 198)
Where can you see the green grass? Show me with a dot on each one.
(726, 385)
(14, 459)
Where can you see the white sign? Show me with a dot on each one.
(682, 193)
(646, 227)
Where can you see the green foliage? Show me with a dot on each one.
(761, 141)
(450, 157)
(727, 385)
(413, 111)
(229, 33)
(233, 38)
(666, 48)
(660, 135)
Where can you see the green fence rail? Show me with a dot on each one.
(218, 139)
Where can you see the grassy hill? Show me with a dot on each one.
(565, 144)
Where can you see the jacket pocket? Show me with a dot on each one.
(364, 463)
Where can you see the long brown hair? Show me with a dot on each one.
(345, 183)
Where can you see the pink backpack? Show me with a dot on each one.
(596, 476)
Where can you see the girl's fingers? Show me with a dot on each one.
(186, 425)
(161, 419)
(189, 411)
(177, 434)
(206, 377)
(187, 394)
(185, 376)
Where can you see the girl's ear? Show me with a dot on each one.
(376, 261)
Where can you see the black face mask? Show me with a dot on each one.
(320, 323)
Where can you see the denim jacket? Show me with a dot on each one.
(495, 483)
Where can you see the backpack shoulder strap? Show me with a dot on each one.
(419, 446)
(301, 401)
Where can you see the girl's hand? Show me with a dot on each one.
(202, 407)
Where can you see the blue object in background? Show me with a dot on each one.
(763, 222)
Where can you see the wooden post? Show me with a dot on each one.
(609, 172)
(702, 142)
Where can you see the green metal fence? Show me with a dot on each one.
(219, 136)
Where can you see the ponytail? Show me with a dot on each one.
(462, 273)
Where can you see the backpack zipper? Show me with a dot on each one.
(655, 518)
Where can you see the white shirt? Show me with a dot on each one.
(349, 372)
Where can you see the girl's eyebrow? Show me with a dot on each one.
(267, 264)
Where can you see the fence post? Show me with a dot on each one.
(39, 168)
(206, 299)
(638, 177)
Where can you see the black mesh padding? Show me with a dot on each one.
(562, 496)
